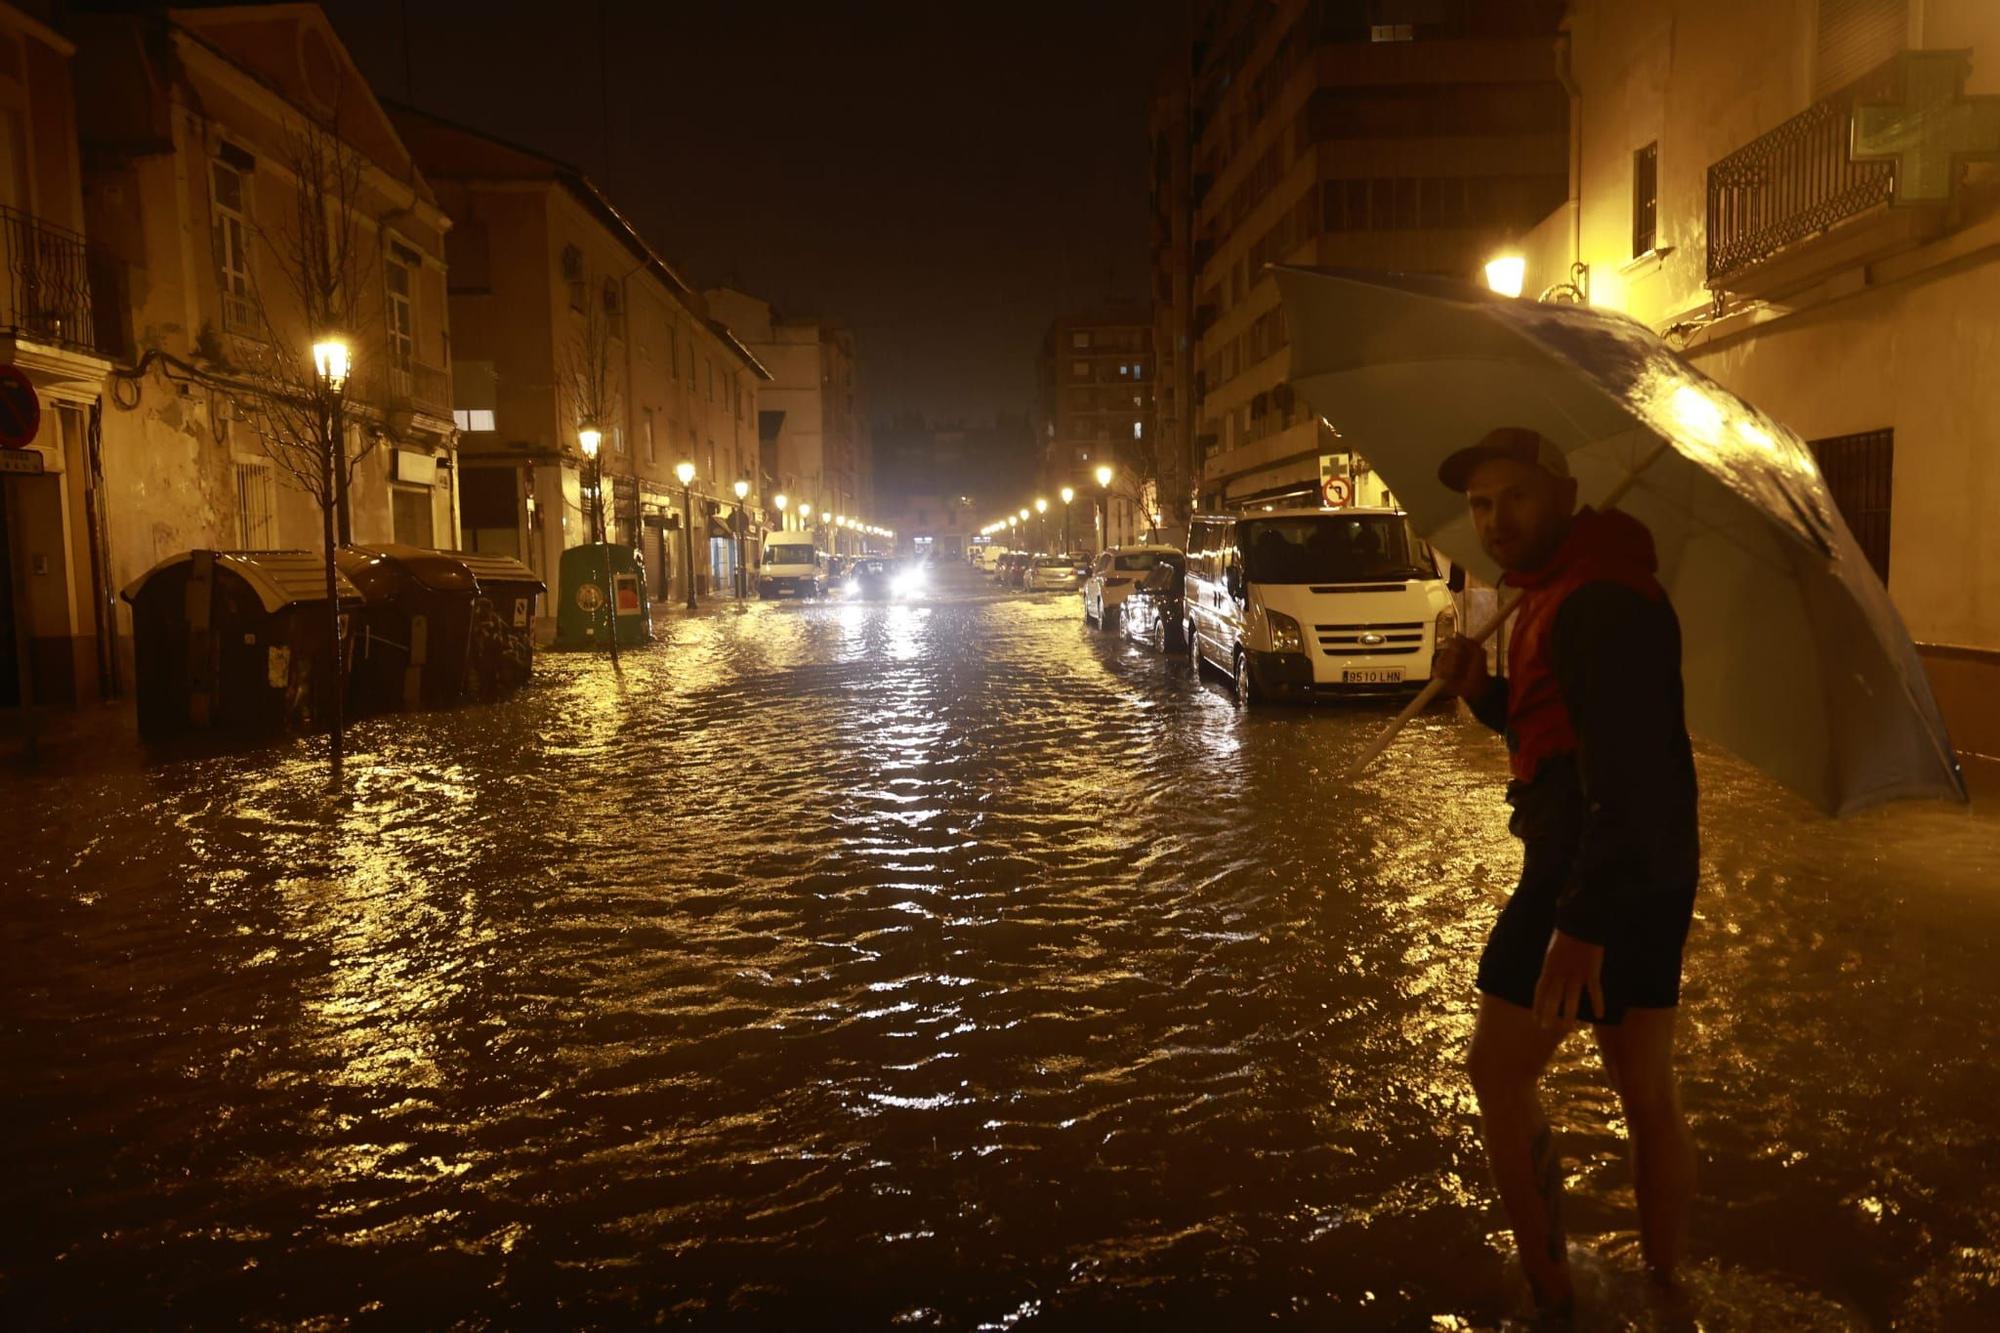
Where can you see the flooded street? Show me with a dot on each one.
(945, 964)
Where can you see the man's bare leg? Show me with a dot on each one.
(1639, 1055)
(1509, 1052)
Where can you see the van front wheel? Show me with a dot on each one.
(1247, 693)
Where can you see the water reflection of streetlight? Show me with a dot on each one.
(590, 439)
(742, 528)
(685, 471)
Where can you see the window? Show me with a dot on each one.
(1860, 472)
(1645, 198)
(256, 502)
(410, 514)
(1079, 370)
(646, 435)
(401, 265)
(230, 236)
(473, 418)
(710, 365)
(1138, 430)
(1079, 339)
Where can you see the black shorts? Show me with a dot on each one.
(1642, 956)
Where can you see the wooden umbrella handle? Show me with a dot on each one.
(1431, 690)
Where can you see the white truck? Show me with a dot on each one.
(793, 566)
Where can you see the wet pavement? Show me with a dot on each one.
(945, 964)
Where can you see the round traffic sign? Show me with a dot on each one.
(20, 408)
(1336, 491)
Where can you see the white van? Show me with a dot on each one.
(792, 566)
(1315, 602)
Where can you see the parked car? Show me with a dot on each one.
(1052, 573)
(1154, 611)
(1014, 569)
(1116, 572)
(1315, 602)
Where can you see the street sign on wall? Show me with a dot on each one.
(20, 409)
(21, 462)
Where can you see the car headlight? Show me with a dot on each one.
(1447, 627)
(1285, 634)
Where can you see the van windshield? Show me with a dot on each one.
(788, 555)
(1351, 548)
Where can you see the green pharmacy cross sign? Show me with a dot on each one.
(1932, 130)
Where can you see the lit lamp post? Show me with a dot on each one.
(1042, 520)
(1505, 273)
(330, 365)
(589, 438)
(1068, 494)
(742, 529)
(685, 471)
(1104, 508)
(781, 500)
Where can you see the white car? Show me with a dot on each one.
(1115, 574)
(1052, 573)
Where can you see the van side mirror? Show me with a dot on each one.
(1456, 581)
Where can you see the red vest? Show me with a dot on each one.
(1609, 547)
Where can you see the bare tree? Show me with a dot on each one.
(589, 388)
(309, 286)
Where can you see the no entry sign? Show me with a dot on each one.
(20, 408)
(1336, 491)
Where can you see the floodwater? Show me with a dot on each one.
(935, 965)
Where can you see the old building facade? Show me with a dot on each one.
(193, 146)
(568, 318)
(1806, 199)
(58, 644)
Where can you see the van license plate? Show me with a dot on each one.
(1379, 677)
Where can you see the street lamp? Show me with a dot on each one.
(1505, 273)
(589, 438)
(685, 471)
(781, 500)
(1103, 507)
(330, 363)
(742, 489)
(1068, 494)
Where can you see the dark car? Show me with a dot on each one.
(870, 576)
(1154, 610)
(1014, 568)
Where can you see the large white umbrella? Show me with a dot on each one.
(1793, 657)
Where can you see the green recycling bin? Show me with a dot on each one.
(583, 608)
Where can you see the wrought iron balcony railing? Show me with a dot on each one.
(48, 282)
(1793, 183)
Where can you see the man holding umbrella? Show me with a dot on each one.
(1604, 803)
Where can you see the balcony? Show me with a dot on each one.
(427, 389)
(1795, 185)
(48, 283)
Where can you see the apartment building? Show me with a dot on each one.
(1806, 199)
(568, 317)
(1403, 135)
(1095, 409)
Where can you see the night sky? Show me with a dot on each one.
(947, 177)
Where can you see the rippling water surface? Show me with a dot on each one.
(933, 965)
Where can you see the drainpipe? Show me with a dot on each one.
(1566, 74)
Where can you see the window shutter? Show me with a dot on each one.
(1854, 37)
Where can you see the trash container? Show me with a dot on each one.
(410, 638)
(583, 613)
(236, 641)
(501, 655)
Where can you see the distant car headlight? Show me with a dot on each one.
(1285, 634)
